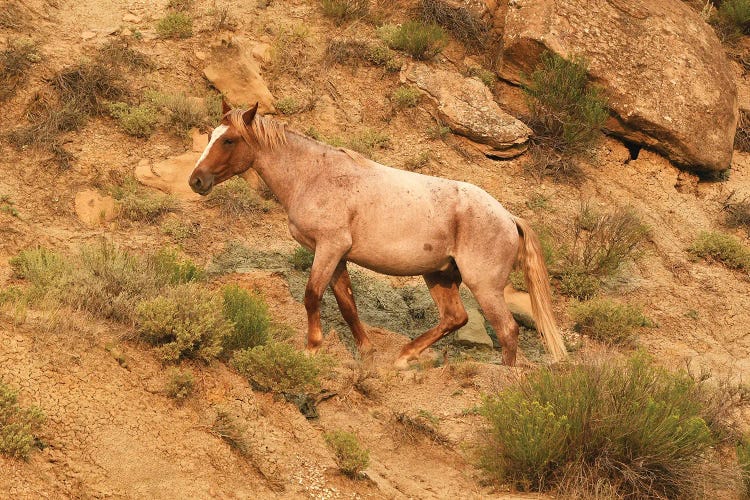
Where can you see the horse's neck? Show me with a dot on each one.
(286, 168)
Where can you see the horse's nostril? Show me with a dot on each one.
(196, 182)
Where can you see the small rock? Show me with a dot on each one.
(126, 32)
(262, 52)
(131, 18)
(110, 30)
(519, 304)
(200, 55)
(88, 35)
(473, 334)
(93, 209)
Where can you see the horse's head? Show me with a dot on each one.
(229, 151)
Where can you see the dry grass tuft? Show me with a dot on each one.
(345, 10)
(608, 321)
(15, 61)
(460, 21)
(235, 197)
(140, 204)
(423, 41)
(737, 214)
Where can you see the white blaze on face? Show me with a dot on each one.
(218, 132)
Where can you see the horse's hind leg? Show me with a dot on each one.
(444, 290)
(492, 302)
(341, 285)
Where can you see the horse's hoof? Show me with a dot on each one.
(401, 364)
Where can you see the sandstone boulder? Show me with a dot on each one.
(466, 105)
(236, 74)
(170, 175)
(519, 304)
(473, 333)
(93, 208)
(664, 71)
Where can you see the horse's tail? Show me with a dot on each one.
(537, 281)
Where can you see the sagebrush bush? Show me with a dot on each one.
(406, 97)
(180, 384)
(168, 265)
(420, 40)
(287, 106)
(15, 61)
(279, 367)
(731, 20)
(351, 458)
(723, 248)
(737, 214)
(138, 121)
(355, 52)
(139, 204)
(301, 259)
(743, 459)
(175, 25)
(608, 321)
(18, 426)
(185, 322)
(486, 76)
(459, 20)
(631, 427)
(42, 268)
(344, 10)
(230, 430)
(179, 229)
(183, 112)
(367, 141)
(249, 314)
(235, 197)
(118, 52)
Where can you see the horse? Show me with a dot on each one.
(347, 208)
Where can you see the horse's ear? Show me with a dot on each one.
(248, 115)
(225, 107)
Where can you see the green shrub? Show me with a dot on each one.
(438, 132)
(15, 62)
(178, 229)
(420, 40)
(42, 268)
(406, 97)
(367, 141)
(138, 121)
(184, 112)
(180, 384)
(185, 322)
(567, 113)
(631, 428)
(732, 20)
(249, 313)
(7, 206)
(302, 259)
(167, 264)
(344, 10)
(743, 458)
(175, 25)
(279, 367)
(608, 321)
(287, 106)
(235, 197)
(722, 247)
(351, 458)
(18, 426)
(486, 76)
(140, 204)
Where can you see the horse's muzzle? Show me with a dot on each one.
(201, 184)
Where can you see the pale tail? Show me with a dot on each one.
(537, 281)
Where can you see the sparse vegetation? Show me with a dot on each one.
(723, 248)
(7, 206)
(180, 5)
(15, 61)
(11, 16)
(228, 429)
(290, 52)
(249, 314)
(287, 106)
(344, 10)
(743, 458)
(629, 428)
(406, 97)
(567, 112)
(138, 121)
(174, 270)
(486, 76)
(438, 132)
(178, 229)
(417, 162)
(119, 53)
(367, 141)
(737, 214)
(355, 52)
(235, 197)
(223, 19)
(301, 259)
(460, 21)
(139, 204)
(186, 322)
(183, 112)
(180, 384)
(420, 40)
(19, 426)
(351, 458)
(279, 367)
(175, 25)
(608, 321)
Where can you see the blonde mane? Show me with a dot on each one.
(265, 130)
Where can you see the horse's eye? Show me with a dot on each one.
(228, 141)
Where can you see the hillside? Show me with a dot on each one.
(111, 431)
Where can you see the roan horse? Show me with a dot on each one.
(346, 207)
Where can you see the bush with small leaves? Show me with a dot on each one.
(18, 426)
(287, 106)
(175, 270)
(608, 321)
(279, 367)
(235, 197)
(42, 268)
(420, 40)
(180, 384)
(723, 248)
(186, 322)
(344, 10)
(486, 76)
(183, 112)
(406, 97)
(138, 121)
(139, 204)
(249, 314)
(175, 25)
(367, 141)
(351, 458)
(301, 259)
(631, 428)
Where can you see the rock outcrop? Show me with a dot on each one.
(662, 67)
(473, 333)
(466, 105)
(235, 72)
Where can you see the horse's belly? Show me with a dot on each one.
(402, 258)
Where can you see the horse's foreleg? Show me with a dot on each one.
(341, 285)
(444, 290)
(324, 264)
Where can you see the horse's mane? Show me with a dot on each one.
(265, 130)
